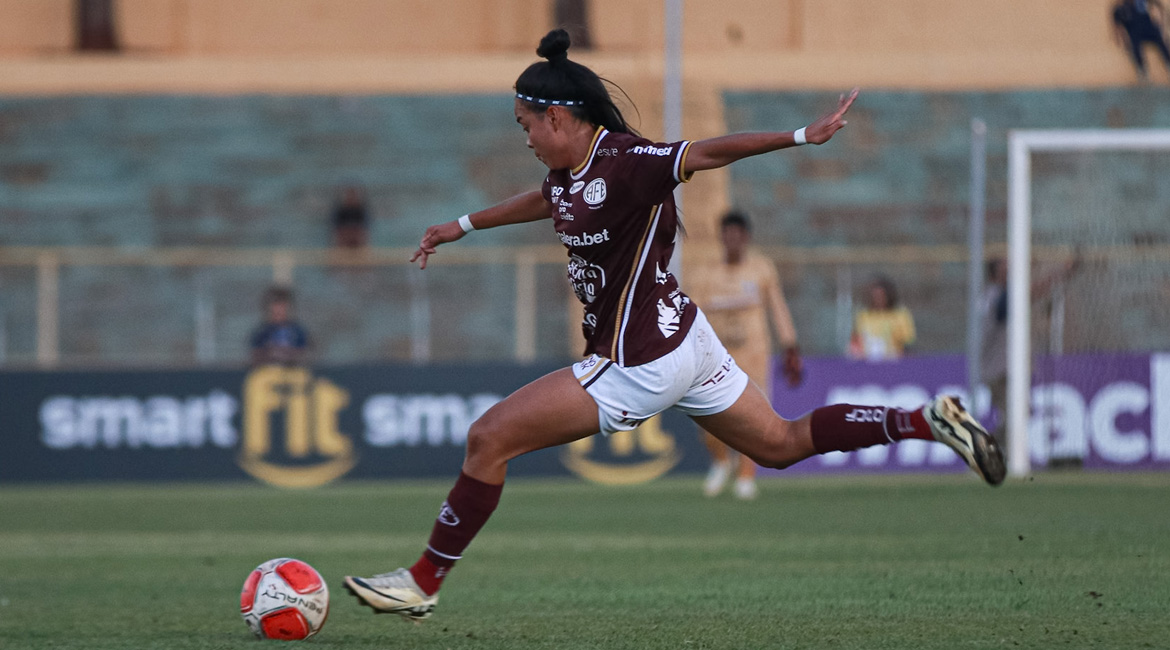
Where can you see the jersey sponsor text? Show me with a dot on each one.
(650, 151)
(584, 239)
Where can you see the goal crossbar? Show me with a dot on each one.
(1021, 145)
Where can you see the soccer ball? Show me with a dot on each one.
(284, 599)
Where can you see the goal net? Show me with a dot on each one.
(1088, 308)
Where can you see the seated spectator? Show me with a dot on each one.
(350, 219)
(884, 330)
(279, 339)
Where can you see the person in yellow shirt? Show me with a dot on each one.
(739, 294)
(884, 329)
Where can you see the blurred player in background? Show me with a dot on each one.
(993, 324)
(884, 329)
(740, 295)
(280, 338)
(609, 194)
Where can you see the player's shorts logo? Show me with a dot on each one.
(595, 192)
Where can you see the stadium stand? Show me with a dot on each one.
(226, 125)
(258, 171)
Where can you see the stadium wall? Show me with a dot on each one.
(276, 28)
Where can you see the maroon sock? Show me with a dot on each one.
(466, 510)
(845, 427)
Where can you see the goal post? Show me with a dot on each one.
(1021, 145)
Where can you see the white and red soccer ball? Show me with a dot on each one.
(284, 599)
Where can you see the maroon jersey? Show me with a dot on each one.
(615, 213)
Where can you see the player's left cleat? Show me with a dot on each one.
(953, 426)
(393, 593)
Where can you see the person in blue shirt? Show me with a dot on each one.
(1138, 22)
(279, 339)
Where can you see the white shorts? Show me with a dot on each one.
(698, 378)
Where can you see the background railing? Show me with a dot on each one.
(94, 306)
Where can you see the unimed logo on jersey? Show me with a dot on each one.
(291, 435)
(626, 457)
(651, 151)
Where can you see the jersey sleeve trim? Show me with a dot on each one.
(680, 163)
(579, 171)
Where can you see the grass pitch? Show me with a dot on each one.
(1064, 561)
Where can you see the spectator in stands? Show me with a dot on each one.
(279, 339)
(884, 330)
(1137, 22)
(350, 218)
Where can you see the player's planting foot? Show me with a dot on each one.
(953, 426)
(393, 593)
(745, 489)
(717, 478)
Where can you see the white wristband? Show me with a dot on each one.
(465, 223)
(798, 135)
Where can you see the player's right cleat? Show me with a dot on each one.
(953, 426)
(393, 593)
(717, 478)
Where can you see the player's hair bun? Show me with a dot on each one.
(554, 46)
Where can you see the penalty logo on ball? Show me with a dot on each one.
(284, 599)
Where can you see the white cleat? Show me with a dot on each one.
(393, 593)
(953, 426)
(745, 489)
(716, 478)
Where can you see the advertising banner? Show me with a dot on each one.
(1105, 411)
(302, 427)
(294, 427)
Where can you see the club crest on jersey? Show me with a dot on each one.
(576, 187)
(595, 192)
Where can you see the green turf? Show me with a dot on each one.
(1064, 561)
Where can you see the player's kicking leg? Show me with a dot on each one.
(550, 411)
(752, 427)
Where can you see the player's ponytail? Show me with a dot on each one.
(557, 81)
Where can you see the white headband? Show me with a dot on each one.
(550, 102)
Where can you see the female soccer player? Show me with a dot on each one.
(609, 195)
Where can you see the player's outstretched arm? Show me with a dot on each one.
(522, 208)
(719, 152)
